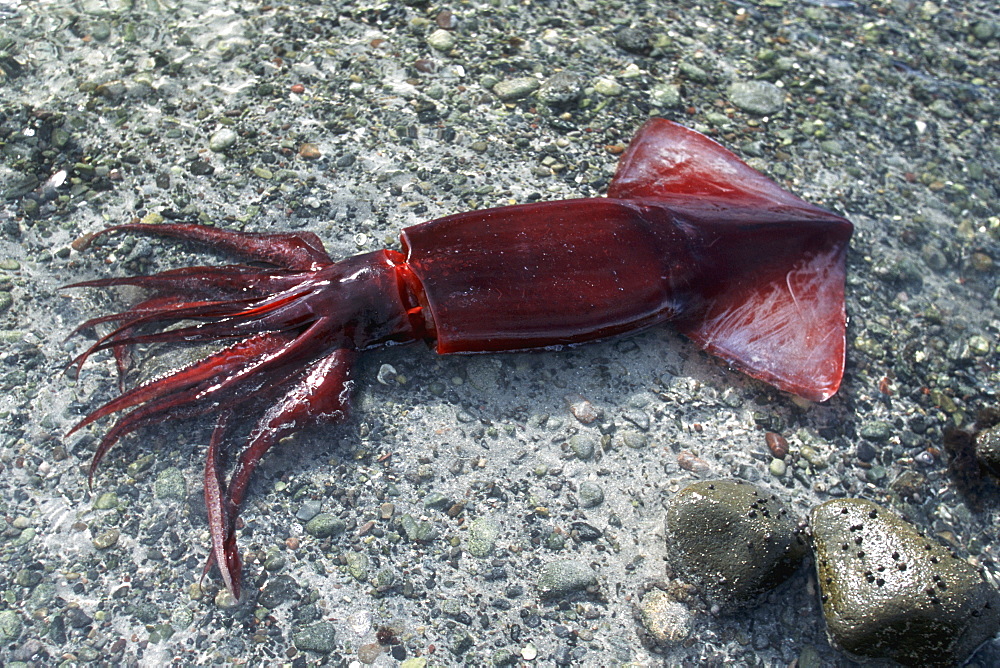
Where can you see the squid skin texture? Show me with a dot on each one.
(689, 234)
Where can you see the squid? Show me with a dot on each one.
(687, 233)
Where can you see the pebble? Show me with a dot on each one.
(666, 620)
(665, 95)
(777, 444)
(225, 600)
(988, 449)
(634, 439)
(325, 525)
(561, 88)
(876, 431)
(6, 301)
(482, 537)
(515, 89)
(889, 592)
(688, 461)
(692, 72)
(414, 662)
(442, 40)
(308, 510)
(277, 590)
(310, 152)
(608, 87)
(106, 501)
(777, 468)
(170, 484)
(357, 565)
(319, 637)
(562, 578)
(222, 140)
(582, 409)
(984, 30)
(634, 40)
(732, 539)
(369, 653)
(757, 97)
(10, 626)
(583, 446)
(590, 494)
(106, 539)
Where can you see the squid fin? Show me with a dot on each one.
(770, 296)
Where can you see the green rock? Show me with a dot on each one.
(732, 539)
(889, 592)
(761, 98)
(554, 540)
(107, 539)
(461, 642)
(515, 89)
(876, 431)
(418, 530)
(170, 484)
(436, 501)
(6, 301)
(106, 501)
(608, 87)
(325, 525)
(414, 662)
(665, 95)
(140, 465)
(482, 538)
(562, 578)
(320, 637)
(10, 626)
(441, 40)
(222, 140)
(590, 494)
(583, 446)
(357, 565)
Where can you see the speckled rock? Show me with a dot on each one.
(565, 577)
(889, 592)
(591, 494)
(320, 637)
(732, 540)
(667, 621)
(170, 484)
(325, 525)
(515, 89)
(757, 97)
(988, 449)
(10, 626)
(482, 539)
(562, 88)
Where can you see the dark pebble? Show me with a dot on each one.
(586, 531)
(865, 452)
(634, 40)
(277, 590)
(200, 168)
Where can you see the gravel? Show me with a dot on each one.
(354, 121)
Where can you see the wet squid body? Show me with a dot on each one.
(688, 233)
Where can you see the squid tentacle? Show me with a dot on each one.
(297, 250)
(321, 394)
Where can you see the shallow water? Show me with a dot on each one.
(126, 97)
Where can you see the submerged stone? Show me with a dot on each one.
(889, 592)
(562, 578)
(732, 540)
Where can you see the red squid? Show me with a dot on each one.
(687, 233)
